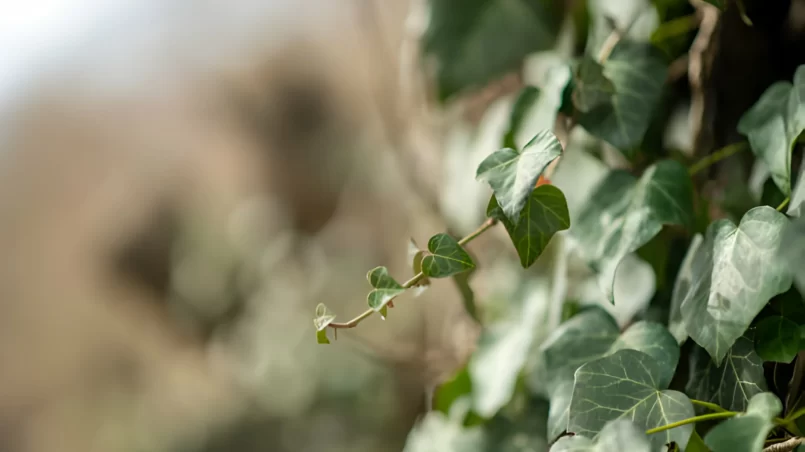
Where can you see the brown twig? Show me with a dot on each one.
(785, 446)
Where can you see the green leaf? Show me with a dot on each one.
(446, 257)
(683, 285)
(792, 248)
(620, 434)
(522, 430)
(323, 318)
(525, 100)
(624, 214)
(798, 196)
(415, 255)
(439, 433)
(777, 339)
(773, 125)
(513, 175)
(450, 391)
(559, 409)
(544, 215)
(638, 72)
(736, 273)
(731, 384)
(626, 385)
(321, 337)
(746, 432)
(654, 340)
(385, 288)
(483, 39)
(592, 88)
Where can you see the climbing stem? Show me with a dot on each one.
(708, 405)
(717, 156)
(692, 420)
(783, 204)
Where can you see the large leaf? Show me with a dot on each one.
(626, 385)
(798, 196)
(683, 285)
(592, 88)
(385, 288)
(777, 339)
(654, 340)
(773, 125)
(616, 435)
(544, 215)
(513, 175)
(731, 384)
(736, 272)
(479, 40)
(638, 72)
(446, 257)
(624, 214)
(746, 432)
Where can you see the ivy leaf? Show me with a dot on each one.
(616, 435)
(683, 285)
(633, 391)
(559, 409)
(773, 125)
(525, 100)
(415, 256)
(798, 197)
(323, 318)
(731, 384)
(544, 215)
(746, 432)
(638, 72)
(385, 289)
(792, 248)
(624, 214)
(777, 339)
(512, 174)
(592, 88)
(736, 273)
(521, 431)
(654, 340)
(446, 257)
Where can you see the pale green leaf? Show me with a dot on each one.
(773, 125)
(736, 273)
(446, 257)
(513, 175)
(617, 435)
(777, 339)
(638, 72)
(385, 288)
(592, 88)
(323, 317)
(682, 285)
(731, 384)
(626, 385)
(624, 214)
(795, 206)
(746, 432)
(544, 214)
(559, 409)
(438, 433)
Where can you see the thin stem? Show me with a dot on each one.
(795, 415)
(415, 279)
(783, 204)
(708, 405)
(717, 156)
(692, 420)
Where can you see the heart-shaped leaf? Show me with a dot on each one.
(544, 215)
(731, 384)
(633, 391)
(773, 125)
(638, 72)
(620, 434)
(592, 88)
(385, 289)
(777, 339)
(624, 214)
(736, 272)
(513, 175)
(746, 432)
(323, 318)
(446, 257)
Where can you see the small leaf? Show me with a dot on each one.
(736, 273)
(447, 257)
(777, 339)
(323, 317)
(592, 88)
(525, 100)
(544, 215)
(731, 384)
(513, 175)
(385, 289)
(624, 214)
(638, 72)
(633, 391)
(620, 434)
(415, 255)
(321, 337)
(746, 432)
(773, 125)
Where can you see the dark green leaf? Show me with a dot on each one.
(746, 432)
(385, 288)
(525, 100)
(513, 175)
(624, 214)
(792, 248)
(544, 215)
(777, 339)
(616, 435)
(638, 72)
(522, 430)
(626, 385)
(773, 125)
(446, 257)
(731, 384)
(736, 273)
(592, 88)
